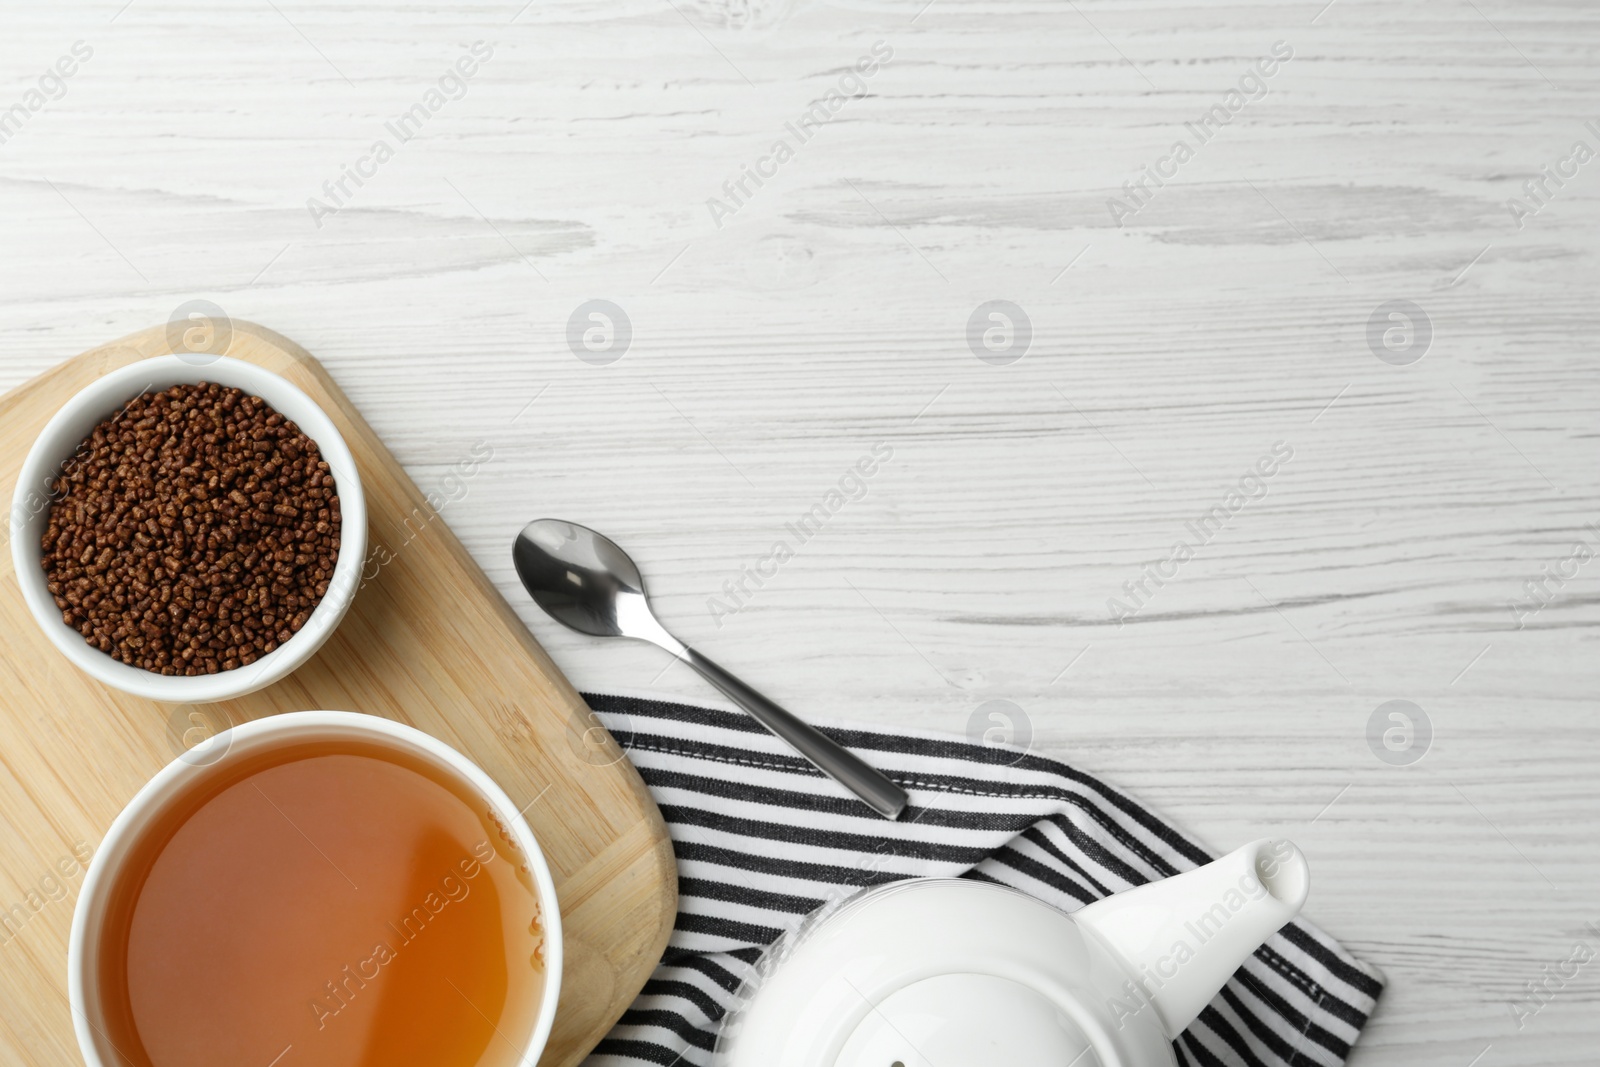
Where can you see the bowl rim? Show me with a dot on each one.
(169, 783)
(56, 443)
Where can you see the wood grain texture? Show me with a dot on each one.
(829, 314)
(428, 641)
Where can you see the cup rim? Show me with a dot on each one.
(66, 430)
(170, 783)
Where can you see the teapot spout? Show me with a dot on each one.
(1182, 938)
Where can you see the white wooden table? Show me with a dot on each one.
(778, 337)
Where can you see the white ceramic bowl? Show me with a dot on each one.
(30, 513)
(242, 742)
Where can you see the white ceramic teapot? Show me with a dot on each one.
(959, 973)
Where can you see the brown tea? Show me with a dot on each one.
(324, 904)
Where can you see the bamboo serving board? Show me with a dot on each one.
(428, 642)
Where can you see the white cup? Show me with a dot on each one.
(222, 752)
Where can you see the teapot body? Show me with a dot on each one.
(949, 972)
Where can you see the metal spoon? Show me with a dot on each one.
(589, 584)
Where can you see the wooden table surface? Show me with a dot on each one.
(1404, 183)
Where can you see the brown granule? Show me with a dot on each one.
(193, 532)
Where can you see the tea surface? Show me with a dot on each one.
(326, 905)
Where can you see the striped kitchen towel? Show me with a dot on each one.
(763, 839)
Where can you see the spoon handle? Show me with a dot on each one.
(832, 758)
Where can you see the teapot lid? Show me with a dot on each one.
(952, 972)
(966, 1020)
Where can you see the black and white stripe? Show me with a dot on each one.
(763, 839)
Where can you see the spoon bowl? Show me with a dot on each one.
(576, 575)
